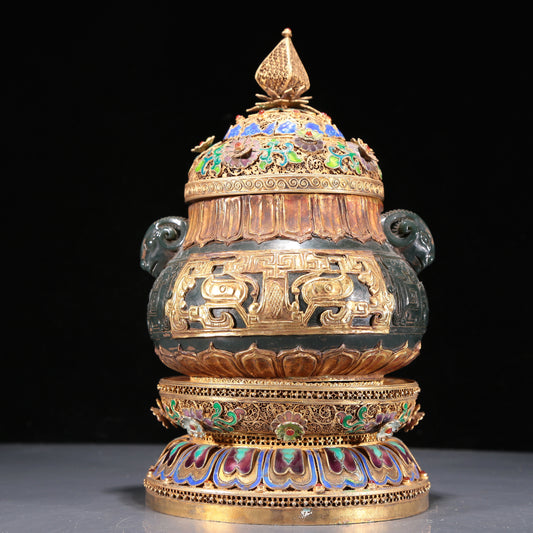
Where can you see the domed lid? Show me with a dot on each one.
(283, 145)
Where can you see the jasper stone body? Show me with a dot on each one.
(286, 266)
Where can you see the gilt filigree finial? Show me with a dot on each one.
(283, 77)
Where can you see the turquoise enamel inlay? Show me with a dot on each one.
(214, 156)
(339, 454)
(394, 473)
(288, 454)
(406, 413)
(200, 450)
(397, 445)
(237, 480)
(357, 479)
(348, 157)
(222, 424)
(358, 426)
(189, 476)
(241, 453)
(286, 152)
(293, 480)
(377, 450)
(161, 466)
(179, 445)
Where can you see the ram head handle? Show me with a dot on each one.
(410, 236)
(161, 242)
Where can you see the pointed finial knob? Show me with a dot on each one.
(286, 32)
(282, 74)
(283, 78)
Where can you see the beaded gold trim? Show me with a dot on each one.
(305, 441)
(391, 389)
(291, 498)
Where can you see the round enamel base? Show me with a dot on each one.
(287, 484)
(293, 507)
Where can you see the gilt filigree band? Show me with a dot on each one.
(296, 413)
(265, 184)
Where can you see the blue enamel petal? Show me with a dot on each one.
(332, 131)
(286, 127)
(314, 127)
(252, 129)
(233, 131)
(269, 130)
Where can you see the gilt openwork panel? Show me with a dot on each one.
(279, 292)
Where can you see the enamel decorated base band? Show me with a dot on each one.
(259, 485)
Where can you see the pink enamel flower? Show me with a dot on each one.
(241, 152)
(366, 155)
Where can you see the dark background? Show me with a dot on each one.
(103, 105)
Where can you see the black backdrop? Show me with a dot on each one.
(103, 106)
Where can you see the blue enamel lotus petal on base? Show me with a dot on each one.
(341, 468)
(284, 478)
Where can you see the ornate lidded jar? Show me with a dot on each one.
(283, 302)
